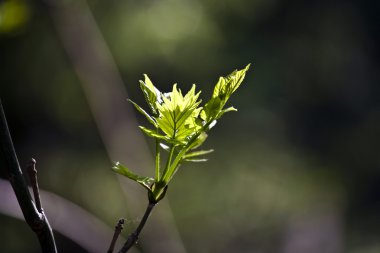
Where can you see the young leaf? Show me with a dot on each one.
(228, 85)
(151, 93)
(211, 109)
(222, 92)
(143, 112)
(154, 134)
(177, 114)
(144, 181)
(198, 153)
(181, 121)
(198, 141)
(229, 109)
(165, 147)
(196, 160)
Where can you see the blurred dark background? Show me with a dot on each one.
(296, 169)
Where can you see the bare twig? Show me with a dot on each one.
(35, 219)
(132, 238)
(83, 228)
(118, 229)
(32, 173)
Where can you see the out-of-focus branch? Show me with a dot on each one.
(117, 124)
(69, 219)
(37, 220)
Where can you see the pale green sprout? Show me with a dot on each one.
(180, 126)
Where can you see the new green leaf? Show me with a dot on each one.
(144, 113)
(198, 153)
(180, 126)
(122, 170)
(151, 93)
(178, 114)
(223, 90)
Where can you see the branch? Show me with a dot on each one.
(132, 238)
(32, 173)
(118, 229)
(35, 219)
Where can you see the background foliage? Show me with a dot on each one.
(297, 169)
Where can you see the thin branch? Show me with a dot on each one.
(132, 238)
(32, 173)
(35, 219)
(118, 229)
(84, 229)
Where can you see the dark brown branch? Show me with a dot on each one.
(32, 173)
(132, 239)
(118, 228)
(35, 219)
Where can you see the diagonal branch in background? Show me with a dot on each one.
(103, 86)
(37, 220)
(68, 219)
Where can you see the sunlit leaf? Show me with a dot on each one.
(212, 124)
(229, 84)
(181, 125)
(178, 114)
(229, 109)
(165, 147)
(146, 182)
(143, 112)
(154, 134)
(151, 93)
(223, 90)
(198, 141)
(198, 153)
(196, 160)
(211, 109)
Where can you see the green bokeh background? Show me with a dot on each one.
(296, 169)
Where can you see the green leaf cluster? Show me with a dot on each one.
(179, 126)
